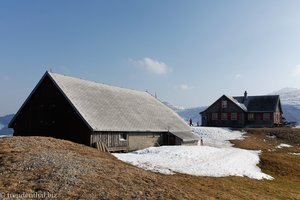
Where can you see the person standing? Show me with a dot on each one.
(191, 122)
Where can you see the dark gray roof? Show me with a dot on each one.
(267, 103)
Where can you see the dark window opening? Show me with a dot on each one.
(123, 136)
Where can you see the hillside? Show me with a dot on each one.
(70, 171)
(67, 170)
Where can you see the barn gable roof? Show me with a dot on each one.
(109, 108)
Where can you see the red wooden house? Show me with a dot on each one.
(244, 111)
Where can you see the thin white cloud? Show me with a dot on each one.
(185, 87)
(237, 76)
(296, 71)
(152, 65)
(5, 78)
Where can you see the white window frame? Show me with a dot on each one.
(224, 104)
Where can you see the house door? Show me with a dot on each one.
(168, 139)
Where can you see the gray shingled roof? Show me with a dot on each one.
(110, 108)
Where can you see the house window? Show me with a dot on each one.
(266, 116)
(250, 116)
(233, 116)
(123, 136)
(224, 104)
(214, 116)
(224, 116)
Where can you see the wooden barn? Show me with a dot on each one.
(244, 111)
(90, 113)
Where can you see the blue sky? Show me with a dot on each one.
(188, 52)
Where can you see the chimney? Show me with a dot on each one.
(245, 95)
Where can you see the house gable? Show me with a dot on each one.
(225, 112)
(217, 106)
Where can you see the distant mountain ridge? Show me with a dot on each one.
(4, 121)
(187, 113)
(192, 113)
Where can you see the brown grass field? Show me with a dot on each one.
(71, 171)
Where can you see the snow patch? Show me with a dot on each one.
(297, 154)
(197, 160)
(217, 137)
(283, 146)
(217, 158)
(271, 136)
(4, 136)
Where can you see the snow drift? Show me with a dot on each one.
(217, 159)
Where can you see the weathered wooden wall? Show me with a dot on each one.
(111, 140)
(134, 141)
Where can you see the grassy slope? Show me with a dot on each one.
(108, 178)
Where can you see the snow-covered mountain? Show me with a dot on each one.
(4, 121)
(290, 101)
(290, 96)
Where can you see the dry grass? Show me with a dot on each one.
(101, 176)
